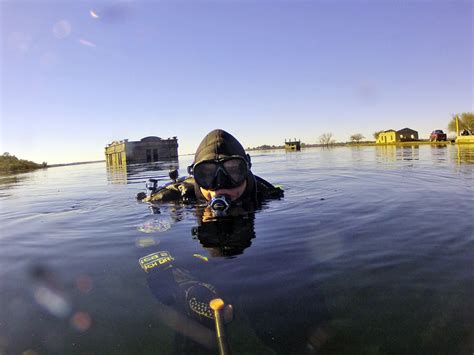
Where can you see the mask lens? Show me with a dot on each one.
(204, 173)
(236, 169)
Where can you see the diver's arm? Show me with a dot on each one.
(175, 286)
(182, 190)
(162, 287)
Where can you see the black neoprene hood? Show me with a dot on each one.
(219, 144)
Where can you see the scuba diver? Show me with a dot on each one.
(219, 176)
(226, 193)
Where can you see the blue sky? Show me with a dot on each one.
(73, 80)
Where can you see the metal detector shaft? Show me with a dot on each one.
(217, 305)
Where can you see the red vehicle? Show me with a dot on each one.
(437, 136)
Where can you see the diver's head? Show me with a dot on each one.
(221, 167)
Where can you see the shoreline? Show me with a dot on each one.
(362, 144)
(267, 147)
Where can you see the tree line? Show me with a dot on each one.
(11, 164)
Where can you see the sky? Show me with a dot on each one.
(77, 75)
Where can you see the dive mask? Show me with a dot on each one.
(223, 173)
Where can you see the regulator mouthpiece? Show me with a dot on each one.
(220, 204)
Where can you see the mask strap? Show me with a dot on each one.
(191, 169)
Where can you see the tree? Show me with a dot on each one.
(11, 164)
(326, 139)
(466, 121)
(357, 137)
(376, 134)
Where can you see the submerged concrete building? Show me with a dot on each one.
(147, 150)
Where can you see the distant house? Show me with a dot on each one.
(392, 136)
(147, 150)
(293, 145)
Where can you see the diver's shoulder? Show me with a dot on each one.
(267, 189)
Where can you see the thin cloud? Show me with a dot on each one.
(87, 43)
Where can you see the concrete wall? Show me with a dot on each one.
(115, 154)
(149, 149)
(147, 152)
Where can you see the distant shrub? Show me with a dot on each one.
(11, 164)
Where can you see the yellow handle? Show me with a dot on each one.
(217, 305)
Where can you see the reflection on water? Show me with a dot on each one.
(408, 152)
(387, 153)
(137, 173)
(465, 153)
(461, 153)
(225, 236)
(439, 153)
(10, 181)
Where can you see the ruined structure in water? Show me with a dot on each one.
(147, 150)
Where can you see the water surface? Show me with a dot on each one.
(371, 248)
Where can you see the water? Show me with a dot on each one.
(370, 250)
